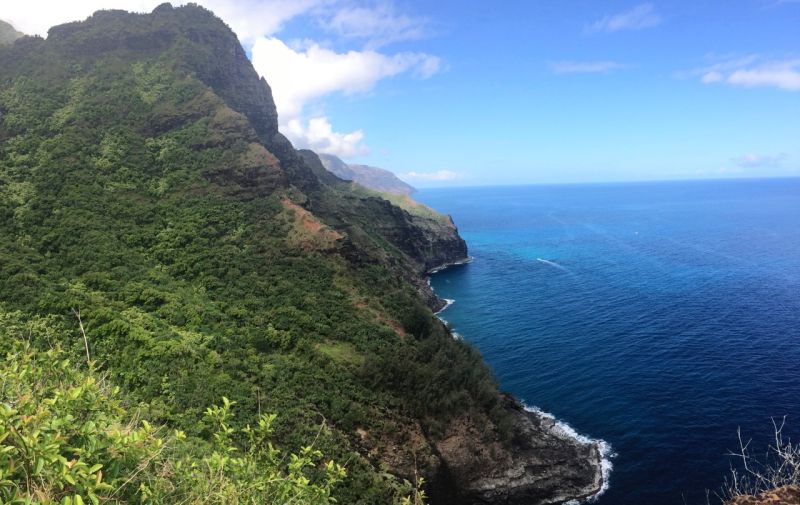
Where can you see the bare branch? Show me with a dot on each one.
(83, 332)
(780, 467)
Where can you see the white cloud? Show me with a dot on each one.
(35, 17)
(712, 76)
(251, 19)
(752, 71)
(300, 76)
(784, 75)
(759, 160)
(438, 176)
(378, 24)
(582, 67)
(638, 18)
(318, 135)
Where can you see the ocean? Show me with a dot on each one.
(658, 317)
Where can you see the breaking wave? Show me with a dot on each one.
(563, 429)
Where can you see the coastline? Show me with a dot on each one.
(445, 266)
(562, 429)
(602, 452)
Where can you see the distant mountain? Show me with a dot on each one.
(375, 178)
(8, 33)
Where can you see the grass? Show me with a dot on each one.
(341, 352)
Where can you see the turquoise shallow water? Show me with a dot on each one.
(658, 317)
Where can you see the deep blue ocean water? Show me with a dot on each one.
(656, 316)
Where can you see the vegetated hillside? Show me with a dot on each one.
(66, 438)
(8, 33)
(144, 184)
(375, 178)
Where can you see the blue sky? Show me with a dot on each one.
(472, 93)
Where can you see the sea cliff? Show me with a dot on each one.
(144, 181)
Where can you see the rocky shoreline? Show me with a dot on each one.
(538, 465)
(544, 462)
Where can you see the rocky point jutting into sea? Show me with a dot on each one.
(143, 181)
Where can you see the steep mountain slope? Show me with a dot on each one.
(375, 178)
(8, 33)
(143, 182)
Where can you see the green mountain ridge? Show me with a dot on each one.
(144, 185)
(374, 178)
(8, 33)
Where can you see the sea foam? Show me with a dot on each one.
(564, 430)
(447, 303)
(552, 264)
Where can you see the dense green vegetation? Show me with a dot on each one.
(136, 192)
(405, 202)
(66, 438)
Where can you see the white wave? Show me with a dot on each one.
(447, 303)
(563, 429)
(552, 264)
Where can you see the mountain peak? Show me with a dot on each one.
(8, 33)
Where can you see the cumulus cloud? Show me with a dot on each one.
(299, 76)
(251, 19)
(438, 176)
(638, 18)
(585, 67)
(317, 134)
(759, 160)
(752, 71)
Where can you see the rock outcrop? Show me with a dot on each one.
(542, 465)
(787, 495)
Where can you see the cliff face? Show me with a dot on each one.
(428, 241)
(540, 465)
(143, 179)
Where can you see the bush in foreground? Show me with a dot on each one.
(66, 438)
